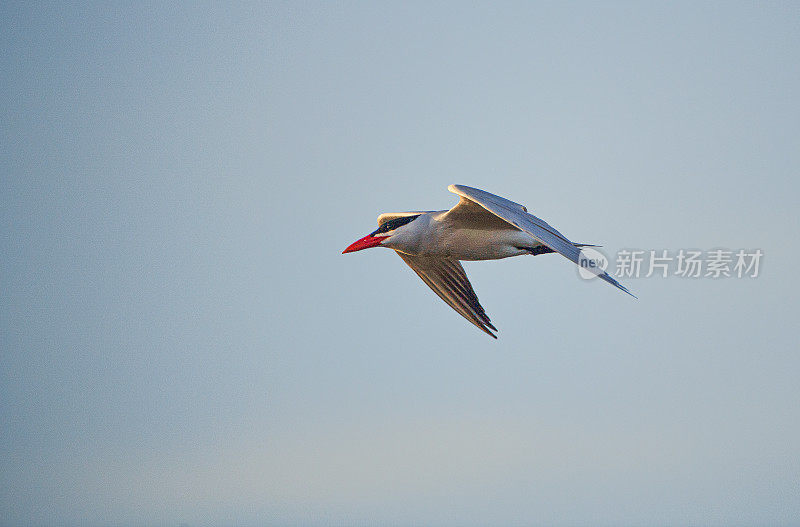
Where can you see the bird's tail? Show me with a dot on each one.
(543, 249)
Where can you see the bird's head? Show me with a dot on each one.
(389, 225)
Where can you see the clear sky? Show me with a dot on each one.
(181, 341)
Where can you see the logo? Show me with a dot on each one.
(591, 263)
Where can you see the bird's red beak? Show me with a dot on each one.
(364, 243)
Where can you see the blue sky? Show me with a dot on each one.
(182, 341)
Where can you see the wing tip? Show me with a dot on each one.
(618, 285)
(626, 290)
(487, 331)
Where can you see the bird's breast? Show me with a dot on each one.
(477, 244)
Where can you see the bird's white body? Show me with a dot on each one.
(482, 226)
(432, 234)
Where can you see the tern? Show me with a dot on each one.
(482, 226)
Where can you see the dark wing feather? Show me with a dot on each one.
(448, 280)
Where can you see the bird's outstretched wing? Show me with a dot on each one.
(518, 216)
(446, 277)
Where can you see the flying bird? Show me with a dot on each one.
(482, 226)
